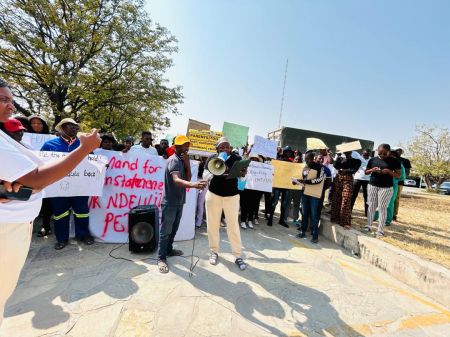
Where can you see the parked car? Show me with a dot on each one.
(409, 182)
(445, 188)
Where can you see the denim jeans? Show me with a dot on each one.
(170, 221)
(310, 209)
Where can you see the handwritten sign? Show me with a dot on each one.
(134, 179)
(236, 134)
(35, 141)
(85, 180)
(203, 142)
(264, 147)
(284, 171)
(259, 177)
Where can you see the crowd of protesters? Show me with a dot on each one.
(335, 177)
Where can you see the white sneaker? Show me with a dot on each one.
(250, 225)
(213, 257)
(256, 222)
(243, 225)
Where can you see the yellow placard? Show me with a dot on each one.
(284, 171)
(204, 140)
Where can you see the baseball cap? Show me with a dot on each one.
(13, 125)
(181, 139)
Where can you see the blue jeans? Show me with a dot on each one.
(310, 209)
(170, 221)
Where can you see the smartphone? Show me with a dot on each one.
(23, 194)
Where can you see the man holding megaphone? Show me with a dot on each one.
(223, 195)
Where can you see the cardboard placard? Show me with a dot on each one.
(348, 147)
(284, 171)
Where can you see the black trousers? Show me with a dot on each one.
(356, 187)
(249, 202)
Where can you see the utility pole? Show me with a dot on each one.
(282, 96)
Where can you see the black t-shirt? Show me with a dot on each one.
(347, 164)
(379, 179)
(220, 185)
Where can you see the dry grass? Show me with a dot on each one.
(422, 226)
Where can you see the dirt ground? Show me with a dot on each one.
(422, 226)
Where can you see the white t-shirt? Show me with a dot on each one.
(361, 173)
(17, 161)
(150, 150)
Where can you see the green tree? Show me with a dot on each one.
(430, 154)
(101, 62)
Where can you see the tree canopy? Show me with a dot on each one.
(430, 153)
(101, 62)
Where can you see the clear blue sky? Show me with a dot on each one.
(368, 69)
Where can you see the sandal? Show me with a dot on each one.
(163, 267)
(242, 265)
(60, 245)
(176, 252)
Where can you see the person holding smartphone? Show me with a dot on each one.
(25, 169)
(383, 169)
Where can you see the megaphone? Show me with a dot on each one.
(217, 165)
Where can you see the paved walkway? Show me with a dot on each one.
(291, 288)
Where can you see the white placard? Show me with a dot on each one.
(85, 180)
(35, 141)
(259, 177)
(134, 179)
(264, 147)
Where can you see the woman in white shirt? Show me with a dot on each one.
(20, 167)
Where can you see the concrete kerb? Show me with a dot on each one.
(427, 277)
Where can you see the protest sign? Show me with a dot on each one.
(203, 142)
(348, 147)
(236, 134)
(134, 179)
(315, 144)
(264, 147)
(197, 125)
(259, 177)
(284, 171)
(85, 180)
(35, 141)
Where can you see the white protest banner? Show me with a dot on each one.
(85, 180)
(259, 177)
(134, 179)
(264, 147)
(35, 141)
